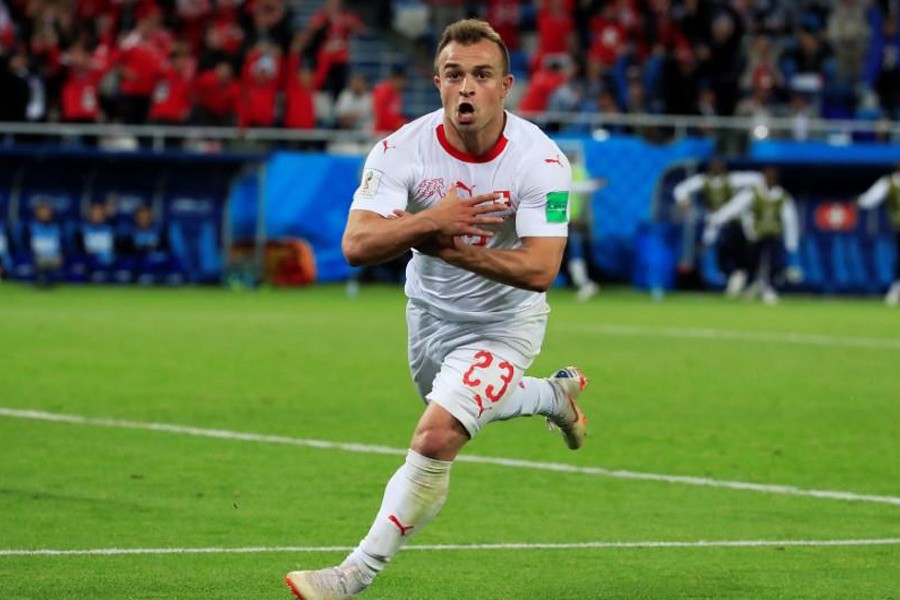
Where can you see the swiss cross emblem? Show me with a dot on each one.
(505, 197)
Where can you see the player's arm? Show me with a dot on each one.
(744, 179)
(732, 209)
(685, 189)
(541, 225)
(875, 194)
(791, 224)
(371, 238)
(532, 266)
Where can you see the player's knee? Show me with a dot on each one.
(439, 443)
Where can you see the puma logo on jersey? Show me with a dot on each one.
(386, 145)
(469, 190)
(556, 159)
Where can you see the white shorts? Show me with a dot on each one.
(468, 368)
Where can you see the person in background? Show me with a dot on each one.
(140, 59)
(555, 33)
(887, 189)
(146, 248)
(583, 188)
(327, 38)
(387, 102)
(45, 244)
(354, 105)
(171, 101)
(299, 96)
(80, 101)
(97, 242)
(215, 96)
(261, 79)
(769, 218)
(6, 262)
(724, 257)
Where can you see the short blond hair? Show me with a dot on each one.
(472, 31)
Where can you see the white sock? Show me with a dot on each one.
(533, 396)
(413, 496)
(578, 272)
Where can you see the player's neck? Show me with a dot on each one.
(475, 143)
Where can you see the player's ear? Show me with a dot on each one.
(437, 82)
(506, 85)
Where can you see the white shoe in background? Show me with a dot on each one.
(892, 298)
(736, 282)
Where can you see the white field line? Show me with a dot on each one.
(746, 336)
(466, 547)
(785, 490)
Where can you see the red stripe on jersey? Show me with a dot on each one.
(463, 156)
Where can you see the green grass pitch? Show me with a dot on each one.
(805, 394)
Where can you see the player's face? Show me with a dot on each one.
(472, 84)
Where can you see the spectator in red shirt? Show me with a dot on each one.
(80, 101)
(543, 83)
(194, 18)
(505, 16)
(555, 32)
(260, 83)
(387, 102)
(224, 38)
(328, 37)
(215, 96)
(299, 95)
(140, 60)
(171, 102)
(609, 37)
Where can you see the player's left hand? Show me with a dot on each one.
(434, 245)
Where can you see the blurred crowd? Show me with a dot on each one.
(249, 63)
(204, 62)
(836, 59)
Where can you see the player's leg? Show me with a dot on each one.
(732, 259)
(754, 270)
(494, 385)
(892, 298)
(770, 264)
(416, 491)
(576, 265)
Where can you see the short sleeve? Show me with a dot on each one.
(383, 186)
(543, 209)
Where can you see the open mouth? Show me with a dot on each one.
(466, 112)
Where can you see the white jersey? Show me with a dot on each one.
(413, 168)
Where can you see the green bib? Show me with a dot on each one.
(715, 195)
(767, 214)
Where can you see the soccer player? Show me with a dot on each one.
(725, 251)
(887, 188)
(769, 219)
(481, 196)
(579, 227)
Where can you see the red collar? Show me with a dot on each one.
(463, 156)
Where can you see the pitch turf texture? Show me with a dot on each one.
(806, 394)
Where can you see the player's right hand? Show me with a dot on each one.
(454, 216)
